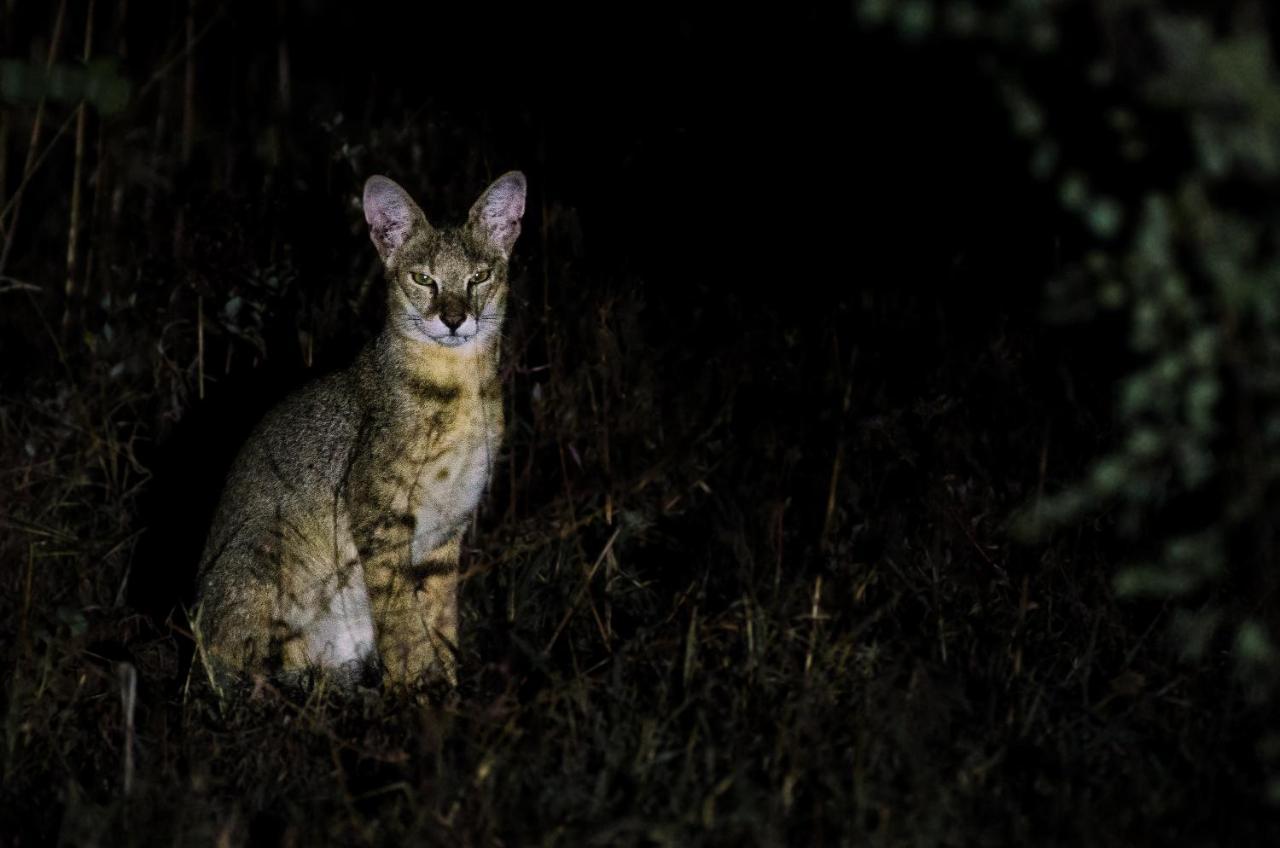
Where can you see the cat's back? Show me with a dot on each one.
(295, 458)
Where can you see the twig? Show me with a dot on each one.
(200, 346)
(1044, 468)
(100, 184)
(582, 590)
(815, 615)
(16, 201)
(197, 634)
(973, 540)
(128, 700)
(26, 598)
(189, 86)
(82, 112)
(834, 486)
(17, 285)
(12, 204)
(4, 159)
(690, 647)
(192, 43)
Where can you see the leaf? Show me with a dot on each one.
(99, 83)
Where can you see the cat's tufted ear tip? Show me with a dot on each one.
(378, 185)
(515, 179)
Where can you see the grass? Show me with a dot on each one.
(743, 576)
(686, 621)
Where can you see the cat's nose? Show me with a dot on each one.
(453, 320)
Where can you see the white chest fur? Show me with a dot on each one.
(450, 485)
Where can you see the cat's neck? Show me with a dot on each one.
(398, 360)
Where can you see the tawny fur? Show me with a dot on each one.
(335, 545)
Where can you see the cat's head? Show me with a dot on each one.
(446, 286)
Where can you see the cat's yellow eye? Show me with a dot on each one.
(424, 280)
(479, 277)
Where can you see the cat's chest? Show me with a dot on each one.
(454, 472)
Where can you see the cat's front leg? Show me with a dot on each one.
(436, 594)
(415, 608)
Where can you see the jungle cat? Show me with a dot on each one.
(335, 545)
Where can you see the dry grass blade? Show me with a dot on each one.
(582, 590)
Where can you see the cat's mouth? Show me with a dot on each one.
(452, 341)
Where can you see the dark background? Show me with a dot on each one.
(783, 363)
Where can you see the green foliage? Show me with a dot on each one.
(1191, 483)
(99, 83)
(1202, 297)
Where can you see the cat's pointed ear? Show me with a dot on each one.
(391, 214)
(495, 217)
